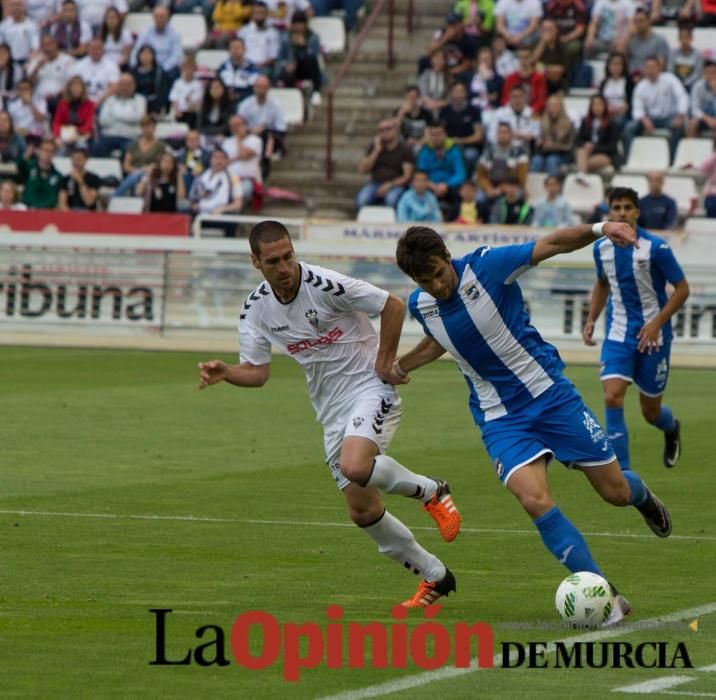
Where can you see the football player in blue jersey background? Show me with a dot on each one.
(632, 283)
(527, 410)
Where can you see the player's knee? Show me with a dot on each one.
(356, 470)
(613, 399)
(535, 503)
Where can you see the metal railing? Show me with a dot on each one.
(345, 66)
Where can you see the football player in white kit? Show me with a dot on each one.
(320, 318)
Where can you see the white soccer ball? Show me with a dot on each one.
(584, 599)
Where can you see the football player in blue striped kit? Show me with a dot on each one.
(632, 283)
(527, 410)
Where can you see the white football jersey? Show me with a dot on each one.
(325, 329)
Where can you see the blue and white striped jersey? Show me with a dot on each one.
(487, 329)
(637, 280)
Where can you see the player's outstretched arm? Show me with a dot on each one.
(566, 240)
(391, 325)
(427, 350)
(245, 374)
(600, 294)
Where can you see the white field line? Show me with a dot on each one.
(422, 679)
(307, 523)
(654, 686)
(691, 694)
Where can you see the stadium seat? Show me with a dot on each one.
(683, 190)
(376, 215)
(583, 192)
(104, 167)
(290, 100)
(332, 33)
(535, 186)
(126, 205)
(598, 71)
(705, 41)
(648, 153)
(697, 225)
(671, 34)
(690, 152)
(171, 130)
(211, 58)
(191, 29)
(577, 108)
(137, 22)
(63, 164)
(639, 183)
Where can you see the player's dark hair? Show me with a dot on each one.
(266, 232)
(623, 193)
(417, 247)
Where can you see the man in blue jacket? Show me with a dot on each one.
(657, 210)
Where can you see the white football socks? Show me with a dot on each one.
(392, 477)
(397, 542)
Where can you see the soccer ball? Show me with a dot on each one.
(584, 599)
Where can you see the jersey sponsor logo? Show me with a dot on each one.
(662, 371)
(327, 339)
(432, 313)
(595, 430)
(278, 329)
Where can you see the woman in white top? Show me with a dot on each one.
(116, 38)
(617, 88)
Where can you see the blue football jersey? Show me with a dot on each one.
(486, 327)
(637, 280)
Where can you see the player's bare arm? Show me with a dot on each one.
(244, 374)
(567, 240)
(391, 325)
(425, 352)
(600, 294)
(648, 336)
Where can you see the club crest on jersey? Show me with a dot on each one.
(312, 316)
(358, 421)
(472, 292)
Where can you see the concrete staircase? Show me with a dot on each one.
(368, 93)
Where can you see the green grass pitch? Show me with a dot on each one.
(126, 434)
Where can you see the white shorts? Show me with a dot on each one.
(374, 414)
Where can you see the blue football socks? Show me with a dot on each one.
(666, 420)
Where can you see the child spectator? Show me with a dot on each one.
(418, 203)
(552, 210)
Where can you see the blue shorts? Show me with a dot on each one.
(557, 424)
(649, 372)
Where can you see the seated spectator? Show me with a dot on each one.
(119, 117)
(10, 75)
(283, 12)
(468, 204)
(708, 168)
(187, 94)
(71, 33)
(686, 62)
(48, 70)
(164, 41)
(550, 52)
(80, 188)
(238, 73)
(93, 11)
(617, 88)
(228, 16)
(265, 118)
(660, 102)
(478, 16)
(657, 210)
(116, 38)
(390, 163)
(99, 73)
(141, 155)
(213, 119)
(19, 32)
(644, 43)
(663, 11)
(216, 191)
(28, 112)
(434, 83)
(531, 80)
(525, 128)
(553, 210)
(486, 84)
(74, 121)
(297, 64)
(511, 207)
(703, 102)
(163, 185)
(609, 27)
(597, 139)
(39, 177)
(413, 118)
(570, 17)
(9, 197)
(463, 124)
(458, 47)
(505, 61)
(504, 162)
(193, 158)
(152, 81)
(12, 145)
(518, 21)
(261, 40)
(442, 160)
(243, 150)
(555, 145)
(418, 203)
